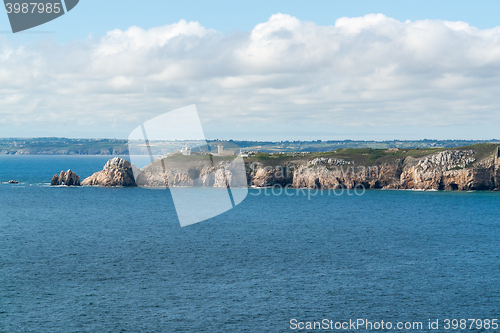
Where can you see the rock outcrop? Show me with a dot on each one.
(68, 178)
(456, 169)
(382, 176)
(328, 161)
(13, 182)
(195, 171)
(448, 170)
(261, 176)
(116, 172)
(452, 169)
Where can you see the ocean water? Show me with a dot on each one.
(116, 260)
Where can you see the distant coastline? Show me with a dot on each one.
(469, 168)
(62, 146)
(117, 147)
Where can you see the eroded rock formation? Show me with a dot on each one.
(453, 169)
(68, 178)
(116, 172)
(384, 176)
(195, 171)
(446, 170)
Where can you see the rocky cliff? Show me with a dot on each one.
(116, 172)
(68, 178)
(448, 170)
(473, 168)
(197, 170)
(454, 169)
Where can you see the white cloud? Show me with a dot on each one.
(285, 75)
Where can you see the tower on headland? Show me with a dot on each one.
(186, 150)
(222, 152)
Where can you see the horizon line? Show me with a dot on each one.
(254, 140)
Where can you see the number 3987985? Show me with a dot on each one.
(33, 7)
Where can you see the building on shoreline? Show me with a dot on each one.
(222, 152)
(186, 150)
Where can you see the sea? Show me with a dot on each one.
(90, 259)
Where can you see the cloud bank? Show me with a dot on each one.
(370, 74)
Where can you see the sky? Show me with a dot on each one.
(261, 70)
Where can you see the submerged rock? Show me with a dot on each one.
(68, 178)
(116, 172)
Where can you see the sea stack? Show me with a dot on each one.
(116, 172)
(68, 178)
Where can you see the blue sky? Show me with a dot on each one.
(260, 70)
(98, 16)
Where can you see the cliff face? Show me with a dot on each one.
(67, 178)
(446, 170)
(497, 170)
(455, 169)
(260, 176)
(195, 171)
(156, 175)
(383, 176)
(161, 173)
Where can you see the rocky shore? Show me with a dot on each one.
(446, 170)
(470, 168)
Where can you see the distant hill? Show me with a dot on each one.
(62, 146)
(65, 146)
(331, 145)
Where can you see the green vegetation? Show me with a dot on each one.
(369, 151)
(369, 156)
(331, 145)
(63, 146)
(483, 150)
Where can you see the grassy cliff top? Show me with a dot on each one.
(367, 156)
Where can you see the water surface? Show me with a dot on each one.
(115, 259)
